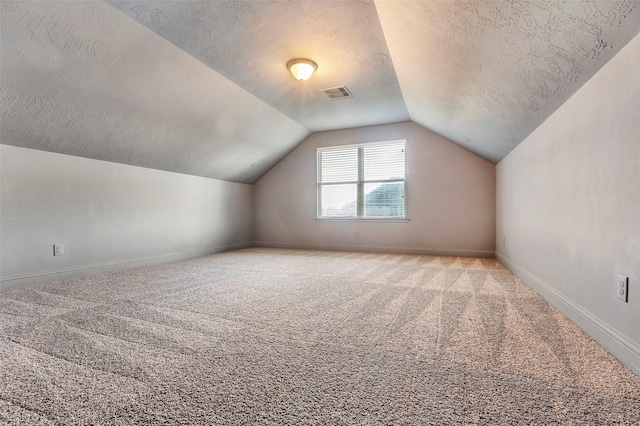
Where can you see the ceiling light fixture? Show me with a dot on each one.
(302, 68)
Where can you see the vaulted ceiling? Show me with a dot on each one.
(200, 87)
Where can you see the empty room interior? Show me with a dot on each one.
(320, 212)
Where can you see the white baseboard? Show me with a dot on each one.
(620, 346)
(381, 249)
(83, 271)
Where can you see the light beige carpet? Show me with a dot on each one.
(266, 336)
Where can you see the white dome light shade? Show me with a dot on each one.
(301, 68)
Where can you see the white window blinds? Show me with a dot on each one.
(366, 180)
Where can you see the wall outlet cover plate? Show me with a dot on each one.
(623, 287)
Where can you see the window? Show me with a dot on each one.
(362, 181)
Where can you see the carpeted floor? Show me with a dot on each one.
(266, 336)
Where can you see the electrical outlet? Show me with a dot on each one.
(58, 250)
(623, 288)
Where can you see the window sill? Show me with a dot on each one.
(363, 219)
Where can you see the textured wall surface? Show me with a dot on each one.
(568, 206)
(485, 74)
(450, 199)
(109, 215)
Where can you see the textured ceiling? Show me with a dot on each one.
(250, 42)
(81, 78)
(485, 74)
(200, 87)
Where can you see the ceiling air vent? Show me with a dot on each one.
(337, 93)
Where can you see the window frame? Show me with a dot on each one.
(360, 182)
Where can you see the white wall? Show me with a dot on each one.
(450, 199)
(568, 206)
(109, 216)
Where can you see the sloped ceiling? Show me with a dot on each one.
(82, 78)
(485, 74)
(249, 42)
(200, 87)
